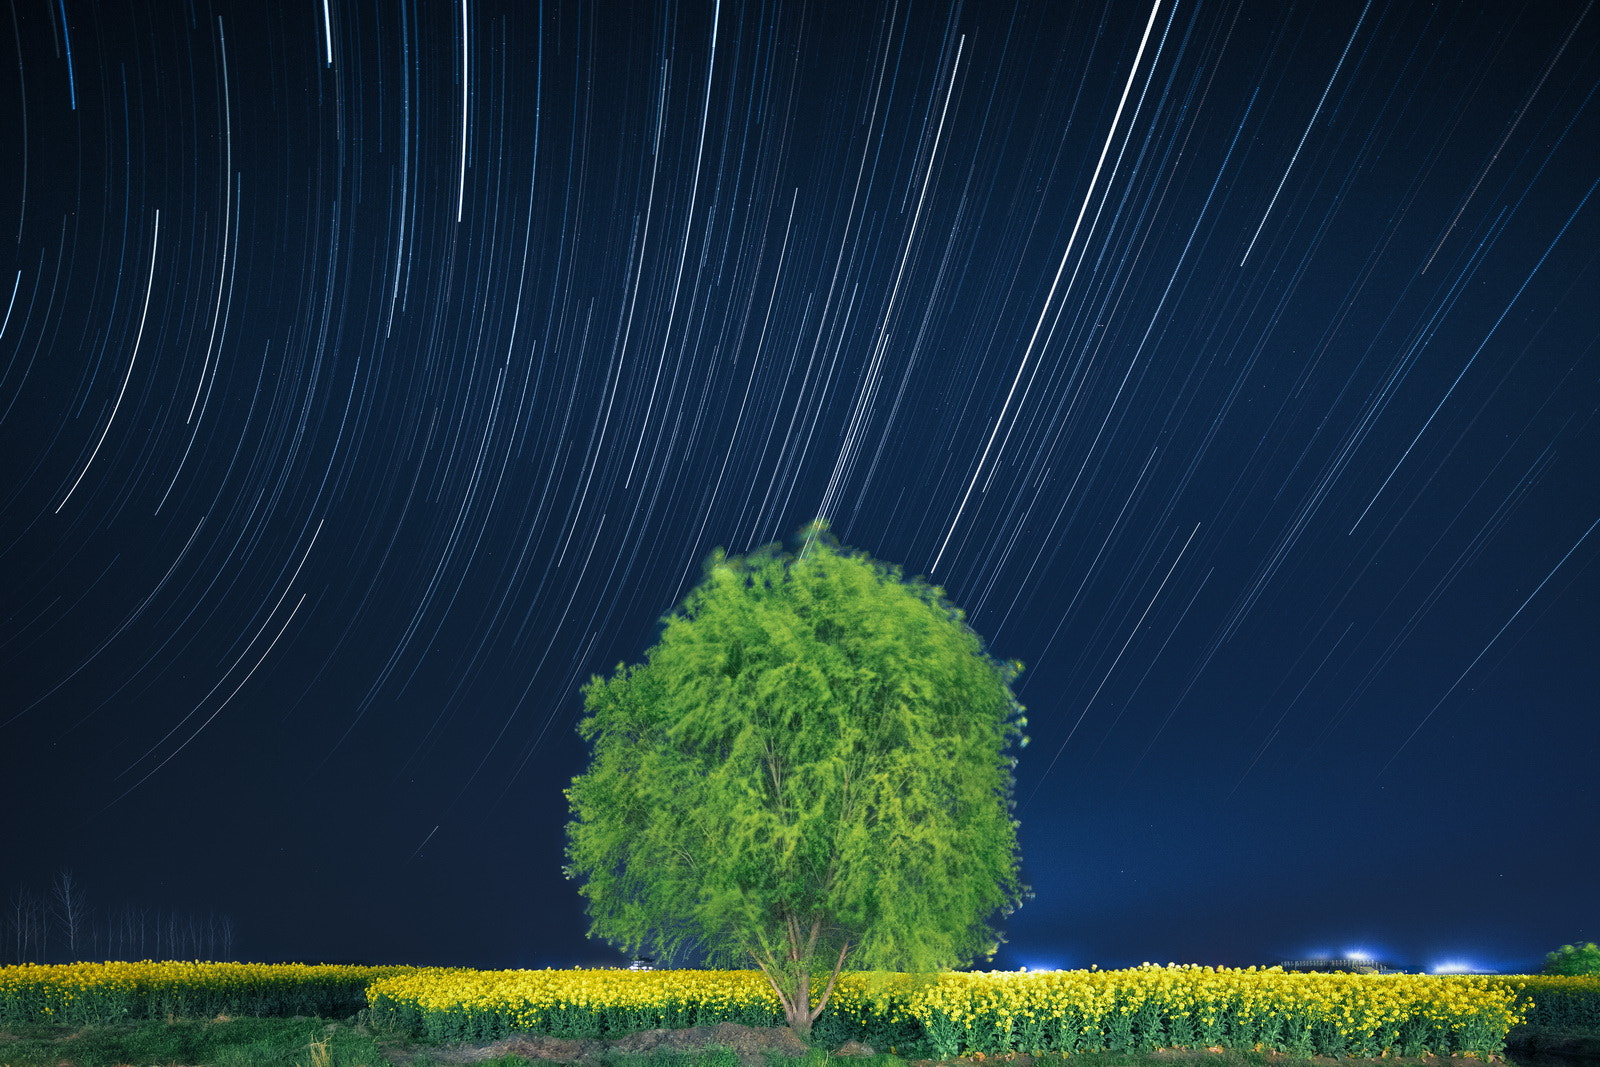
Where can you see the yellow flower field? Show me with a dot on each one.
(945, 1014)
(106, 992)
(1558, 1001)
(993, 1013)
(472, 1005)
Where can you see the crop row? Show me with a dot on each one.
(992, 1013)
(1558, 1002)
(80, 993)
(943, 1015)
(454, 1005)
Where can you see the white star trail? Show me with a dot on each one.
(1049, 299)
(470, 331)
(155, 240)
(1337, 67)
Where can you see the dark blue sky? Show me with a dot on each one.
(372, 374)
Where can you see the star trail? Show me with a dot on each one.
(371, 375)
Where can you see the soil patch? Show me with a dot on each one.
(1576, 1043)
(751, 1044)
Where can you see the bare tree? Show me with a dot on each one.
(14, 921)
(71, 910)
(39, 925)
(30, 928)
(28, 919)
(128, 930)
(119, 934)
(20, 920)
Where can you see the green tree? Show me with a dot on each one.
(1573, 959)
(811, 767)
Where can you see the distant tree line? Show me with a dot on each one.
(1573, 959)
(58, 925)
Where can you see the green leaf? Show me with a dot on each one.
(813, 764)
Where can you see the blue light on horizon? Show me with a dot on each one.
(1458, 966)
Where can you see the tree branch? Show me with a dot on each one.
(832, 978)
(782, 999)
(777, 779)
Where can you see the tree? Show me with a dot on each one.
(1573, 959)
(71, 912)
(811, 767)
(27, 925)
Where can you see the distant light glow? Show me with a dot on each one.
(1457, 966)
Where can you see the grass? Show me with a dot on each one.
(313, 1042)
(215, 1043)
(711, 1057)
(301, 1042)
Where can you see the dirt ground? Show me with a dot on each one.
(752, 1044)
(749, 1043)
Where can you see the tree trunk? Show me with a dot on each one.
(798, 1012)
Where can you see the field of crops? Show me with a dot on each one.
(993, 1013)
(462, 1005)
(1558, 1002)
(941, 1015)
(81, 993)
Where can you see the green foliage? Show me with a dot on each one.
(813, 765)
(230, 1043)
(998, 1014)
(1573, 959)
(890, 1027)
(1558, 1004)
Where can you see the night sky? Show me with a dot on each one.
(372, 374)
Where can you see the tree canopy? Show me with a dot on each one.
(812, 767)
(1573, 959)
